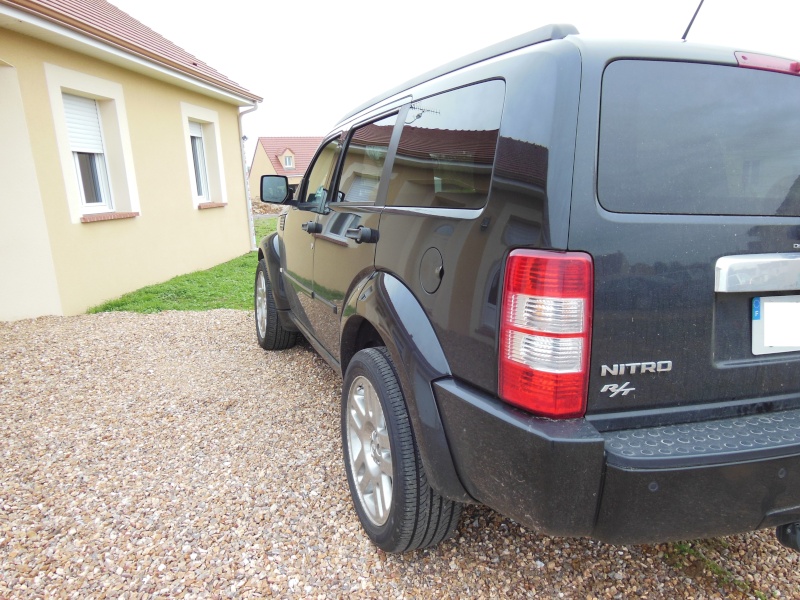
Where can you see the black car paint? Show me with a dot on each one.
(532, 210)
(554, 476)
(706, 335)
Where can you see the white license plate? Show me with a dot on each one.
(776, 324)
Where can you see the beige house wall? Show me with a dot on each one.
(96, 261)
(29, 279)
(295, 180)
(261, 165)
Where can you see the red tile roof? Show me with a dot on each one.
(303, 149)
(103, 21)
(523, 161)
(420, 142)
(379, 135)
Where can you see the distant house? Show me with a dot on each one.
(120, 162)
(289, 156)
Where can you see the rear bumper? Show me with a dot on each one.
(566, 478)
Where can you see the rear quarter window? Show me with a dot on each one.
(700, 139)
(447, 147)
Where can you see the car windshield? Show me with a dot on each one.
(690, 138)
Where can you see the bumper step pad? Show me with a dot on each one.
(709, 442)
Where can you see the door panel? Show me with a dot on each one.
(338, 263)
(298, 262)
(339, 259)
(298, 235)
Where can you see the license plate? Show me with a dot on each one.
(776, 324)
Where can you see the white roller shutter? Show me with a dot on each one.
(83, 124)
(195, 129)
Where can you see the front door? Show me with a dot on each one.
(298, 233)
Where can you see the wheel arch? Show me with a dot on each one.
(269, 250)
(358, 334)
(383, 311)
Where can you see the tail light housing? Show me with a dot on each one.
(546, 332)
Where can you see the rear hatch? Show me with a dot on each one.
(692, 218)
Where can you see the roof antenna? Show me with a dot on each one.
(685, 33)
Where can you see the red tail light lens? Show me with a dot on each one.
(546, 332)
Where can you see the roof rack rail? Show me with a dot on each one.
(537, 36)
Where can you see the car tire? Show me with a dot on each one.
(397, 508)
(269, 331)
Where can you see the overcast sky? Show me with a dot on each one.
(314, 61)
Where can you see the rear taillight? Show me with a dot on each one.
(546, 332)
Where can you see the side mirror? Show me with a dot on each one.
(275, 189)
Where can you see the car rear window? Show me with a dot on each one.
(688, 138)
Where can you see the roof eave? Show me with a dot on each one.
(34, 22)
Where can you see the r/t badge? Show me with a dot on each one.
(615, 389)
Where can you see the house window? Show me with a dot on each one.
(94, 145)
(199, 160)
(288, 162)
(86, 144)
(205, 169)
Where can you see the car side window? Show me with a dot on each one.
(364, 161)
(320, 176)
(447, 147)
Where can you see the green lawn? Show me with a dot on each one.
(265, 227)
(229, 285)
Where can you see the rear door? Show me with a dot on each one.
(693, 220)
(349, 228)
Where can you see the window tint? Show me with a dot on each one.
(321, 173)
(447, 148)
(683, 138)
(364, 160)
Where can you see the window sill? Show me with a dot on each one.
(205, 205)
(109, 216)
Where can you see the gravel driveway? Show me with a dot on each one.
(167, 455)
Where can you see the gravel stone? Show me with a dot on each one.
(167, 455)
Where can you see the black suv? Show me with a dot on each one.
(560, 277)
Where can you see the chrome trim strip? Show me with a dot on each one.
(463, 214)
(447, 213)
(353, 207)
(757, 273)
